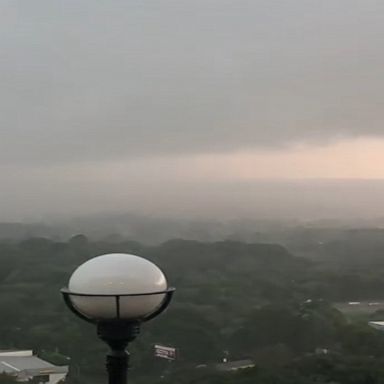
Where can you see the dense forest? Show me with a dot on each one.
(278, 307)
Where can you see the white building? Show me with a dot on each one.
(25, 366)
(231, 366)
(377, 325)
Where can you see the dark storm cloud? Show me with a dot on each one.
(98, 80)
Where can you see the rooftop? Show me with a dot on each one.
(235, 365)
(377, 325)
(24, 363)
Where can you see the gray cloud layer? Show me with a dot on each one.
(86, 80)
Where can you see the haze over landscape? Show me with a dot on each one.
(203, 109)
(237, 145)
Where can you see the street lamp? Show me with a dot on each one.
(117, 292)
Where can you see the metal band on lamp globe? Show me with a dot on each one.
(117, 285)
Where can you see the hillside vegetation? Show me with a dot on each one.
(233, 300)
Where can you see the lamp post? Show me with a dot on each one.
(117, 292)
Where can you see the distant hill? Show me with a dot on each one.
(17, 231)
(298, 236)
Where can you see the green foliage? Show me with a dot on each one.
(254, 301)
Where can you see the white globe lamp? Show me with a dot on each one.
(136, 280)
(117, 292)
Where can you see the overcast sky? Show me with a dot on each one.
(131, 105)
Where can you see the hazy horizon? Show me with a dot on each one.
(294, 200)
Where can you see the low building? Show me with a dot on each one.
(27, 367)
(231, 366)
(377, 325)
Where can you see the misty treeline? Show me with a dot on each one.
(236, 300)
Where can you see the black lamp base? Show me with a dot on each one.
(118, 334)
